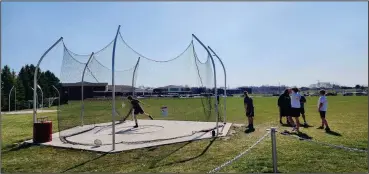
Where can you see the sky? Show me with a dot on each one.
(260, 43)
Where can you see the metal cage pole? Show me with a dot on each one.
(113, 93)
(9, 97)
(35, 79)
(274, 149)
(225, 84)
(82, 90)
(1, 117)
(215, 84)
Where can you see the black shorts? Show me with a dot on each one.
(284, 112)
(138, 111)
(322, 114)
(295, 112)
(302, 110)
(250, 113)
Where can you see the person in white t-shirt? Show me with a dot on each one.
(322, 108)
(295, 108)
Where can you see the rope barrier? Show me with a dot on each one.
(217, 169)
(239, 155)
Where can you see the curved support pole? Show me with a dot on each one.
(113, 93)
(82, 88)
(35, 79)
(215, 84)
(225, 85)
(133, 77)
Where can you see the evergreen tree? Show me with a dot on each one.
(8, 82)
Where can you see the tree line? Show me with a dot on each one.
(23, 84)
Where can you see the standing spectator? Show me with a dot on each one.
(295, 108)
(249, 108)
(302, 111)
(322, 108)
(284, 104)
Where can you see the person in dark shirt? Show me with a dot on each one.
(284, 104)
(249, 108)
(302, 102)
(137, 109)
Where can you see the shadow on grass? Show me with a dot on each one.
(154, 164)
(333, 133)
(16, 147)
(306, 126)
(303, 135)
(83, 163)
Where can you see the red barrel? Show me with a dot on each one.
(42, 131)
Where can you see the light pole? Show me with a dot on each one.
(15, 99)
(42, 97)
(58, 96)
(9, 97)
(36, 97)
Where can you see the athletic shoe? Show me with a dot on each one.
(136, 126)
(293, 129)
(327, 129)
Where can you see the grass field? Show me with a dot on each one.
(347, 116)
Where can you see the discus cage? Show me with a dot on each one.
(97, 85)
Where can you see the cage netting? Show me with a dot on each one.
(181, 88)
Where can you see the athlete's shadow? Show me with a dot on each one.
(303, 136)
(333, 133)
(156, 161)
(306, 126)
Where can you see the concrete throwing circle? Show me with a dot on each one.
(148, 131)
(142, 129)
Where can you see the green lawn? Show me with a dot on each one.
(346, 115)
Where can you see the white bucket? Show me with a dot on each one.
(164, 111)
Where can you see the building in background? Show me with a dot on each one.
(73, 91)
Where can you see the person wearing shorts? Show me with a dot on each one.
(295, 108)
(137, 109)
(249, 108)
(322, 108)
(302, 110)
(284, 105)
